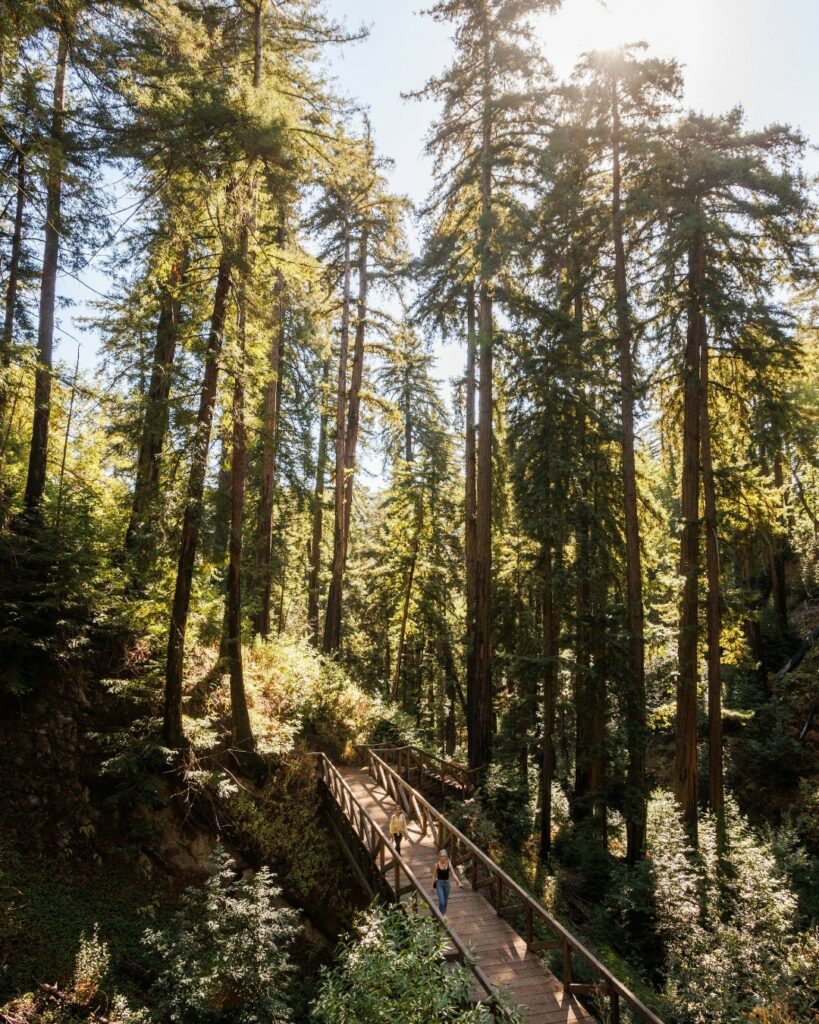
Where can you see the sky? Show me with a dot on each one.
(759, 53)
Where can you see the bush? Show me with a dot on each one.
(581, 848)
(224, 956)
(509, 804)
(295, 694)
(286, 827)
(393, 970)
(715, 927)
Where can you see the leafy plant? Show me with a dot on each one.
(224, 956)
(393, 969)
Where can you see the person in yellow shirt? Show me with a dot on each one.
(398, 827)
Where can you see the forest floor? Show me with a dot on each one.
(100, 834)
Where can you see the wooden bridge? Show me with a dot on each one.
(493, 926)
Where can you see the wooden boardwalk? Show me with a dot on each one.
(499, 951)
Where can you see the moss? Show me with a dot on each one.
(47, 911)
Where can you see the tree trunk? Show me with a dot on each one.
(356, 378)
(15, 252)
(264, 531)
(38, 456)
(68, 419)
(221, 500)
(685, 759)
(715, 780)
(318, 520)
(332, 619)
(597, 780)
(584, 689)
(470, 502)
(551, 641)
(404, 617)
(155, 419)
(482, 721)
(635, 802)
(192, 520)
(241, 734)
(780, 593)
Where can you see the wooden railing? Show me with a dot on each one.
(508, 898)
(396, 875)
(432, 770)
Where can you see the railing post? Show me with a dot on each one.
(500, 894)
(567, 966)
(397, 888)
(614, 1002)
(529, 925)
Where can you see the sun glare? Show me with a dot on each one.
(666, 25)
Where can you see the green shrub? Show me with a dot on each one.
(224, 956)
(296, 695)
(287, 829)
(580, 847)
(509, 804)
(715, 927)
(393, 970)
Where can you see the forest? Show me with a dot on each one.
(258, 528)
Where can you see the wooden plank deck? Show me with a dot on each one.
(498, 949)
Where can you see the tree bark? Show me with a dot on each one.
(780, 592)
(354, 402)
(192, 520)
(482, 721)
(38, 456)
(551, 642)
(714, 602)
(15, 252)
(318, 521)
(405, 617)
(241, 733)
(584, 689)
(470, 500)
(332, 619)
(264, 531)
(635, 802)
(685, 757)
(155, 418)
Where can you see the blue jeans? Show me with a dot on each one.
(442, 888)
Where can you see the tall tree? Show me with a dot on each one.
(38, 455)
(729, 195)
(489, 98)
(156, 413)
(629, 99)
(192, 517)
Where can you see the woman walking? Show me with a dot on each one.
(440, 879)
(398, 828)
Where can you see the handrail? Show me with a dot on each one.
(425, 813)
(373, 838)
(464, 776)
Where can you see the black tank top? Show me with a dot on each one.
(443, 873)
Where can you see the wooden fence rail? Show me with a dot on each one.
(431, 769)
(396, 875)
(509, 899)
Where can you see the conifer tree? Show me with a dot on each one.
(627, 101)
(730, 195)
(490, 96)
